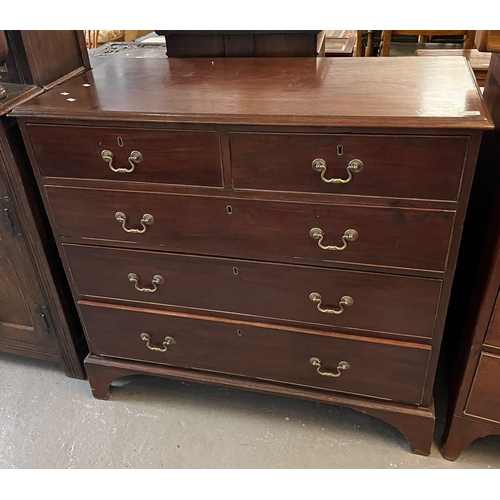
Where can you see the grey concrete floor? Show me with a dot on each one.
(48, 420)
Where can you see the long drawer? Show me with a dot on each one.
(275, 231)
(394, 166)
(126, 154)
(384, 303)
(389, 370)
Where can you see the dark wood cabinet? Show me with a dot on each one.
(310, 252)
(22, 325)
(44, 58)
(256, 43)
(37, 317)
(475, 313)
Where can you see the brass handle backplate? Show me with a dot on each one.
(317, 234)
(147, 220)
(157, 280)
(134, 158)
(353, 167)
(345, 301)
(168, 341)
(343, 365)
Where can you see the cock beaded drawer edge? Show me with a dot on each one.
(288, 226)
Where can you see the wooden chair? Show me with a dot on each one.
(423, 36)
(91, 37)
(365, 50)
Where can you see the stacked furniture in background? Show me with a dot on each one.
(406, 42)
(256, 43)
(37, 317)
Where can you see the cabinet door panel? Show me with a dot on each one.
(12, 303)
(20, 327)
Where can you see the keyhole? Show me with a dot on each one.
(229, 209)
(119, 140)
(235, 271)
(239, 332)
(340, 150)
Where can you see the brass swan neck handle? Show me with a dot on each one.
(342, 366)
(353, 167)
(317, 234)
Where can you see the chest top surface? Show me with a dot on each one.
(382, 92)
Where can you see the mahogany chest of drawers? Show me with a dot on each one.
(288, 226)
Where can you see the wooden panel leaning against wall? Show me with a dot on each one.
(36, 319)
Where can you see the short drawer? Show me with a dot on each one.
(275, 231)
(393, 166)
(380, 303)
(126, 154)
(390, 370)
(484, 397)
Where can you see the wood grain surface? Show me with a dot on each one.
(420, 92)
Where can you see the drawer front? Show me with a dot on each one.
(263, 230)
(383, 303)
(168, 156)
(389, 370)
(484, 397)
(493, 334)
(394, 166)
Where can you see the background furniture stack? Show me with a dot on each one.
(465, 38)
(37, 317)
(406, 42)
(256, 43)
(339, 46)
(475, 398)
